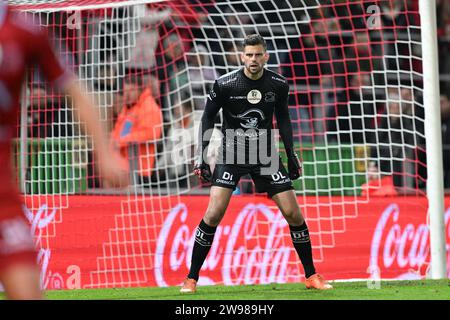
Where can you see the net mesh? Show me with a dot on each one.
(66, 5)
(354, 70)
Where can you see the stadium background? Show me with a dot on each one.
(346, 63)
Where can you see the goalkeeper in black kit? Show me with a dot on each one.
(249, 98)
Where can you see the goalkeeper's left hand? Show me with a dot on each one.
(294, 165)
(202, 170)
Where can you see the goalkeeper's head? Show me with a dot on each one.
(254, 55)
(254, 40)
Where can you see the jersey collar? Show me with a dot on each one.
(251, 80)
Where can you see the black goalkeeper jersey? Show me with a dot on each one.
(248, 107)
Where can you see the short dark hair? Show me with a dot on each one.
(254, 40)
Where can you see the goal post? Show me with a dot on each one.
(435, 188)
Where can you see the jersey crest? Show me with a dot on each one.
(254, 96)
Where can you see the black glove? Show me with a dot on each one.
(203, 171)
(294, 165)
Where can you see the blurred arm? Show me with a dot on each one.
(149, 126)
(111, 167)
(86, 112)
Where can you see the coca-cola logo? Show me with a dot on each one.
(404, 247)
(239, 251)
(39, 222)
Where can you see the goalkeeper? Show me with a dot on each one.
(249, 97)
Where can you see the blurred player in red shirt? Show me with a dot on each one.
(21, 46)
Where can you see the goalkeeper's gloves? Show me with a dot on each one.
(294, 164)
(202, 170)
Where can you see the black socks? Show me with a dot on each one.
(204, 236)
(302, 244)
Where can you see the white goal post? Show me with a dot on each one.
(435, 187)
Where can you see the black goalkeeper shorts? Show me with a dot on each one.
(271, 180)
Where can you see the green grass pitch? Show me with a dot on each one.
(388, 290)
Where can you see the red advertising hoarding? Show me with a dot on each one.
(112, 241)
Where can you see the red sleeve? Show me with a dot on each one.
(47, 61)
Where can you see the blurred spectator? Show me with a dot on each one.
(352, 115)
(229, 24)
(304, 60)
(48, 115)
(185, 19)
(232, 57)
(174, 163)
(398, 137)
(138, 127)
(61, 40)
(170, 61)
(40, 117)
(107, 51)
(443, 25)
(395, 19)
(307, 60)
(238, 23)
(176, 38)
(196, 81)
(142, 54)
(443, 17)
(349, 13)
(394, 13)
(325, 57)
(358, 54)
(106, 75)
(176, 159)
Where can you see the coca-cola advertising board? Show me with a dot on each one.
(114, 241)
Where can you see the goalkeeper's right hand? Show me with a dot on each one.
(203, 171)
(294, 165)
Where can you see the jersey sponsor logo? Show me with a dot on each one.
(269, 97)
(238, 97)
(248, 134)
(200, 238)
(250, 119)
(254, 96)
(229, 80)
(279, 178)
(278, 79)
(227, 178)
(300, 236)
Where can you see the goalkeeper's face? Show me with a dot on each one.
(254, 58)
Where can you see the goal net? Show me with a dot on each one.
(354, 70)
